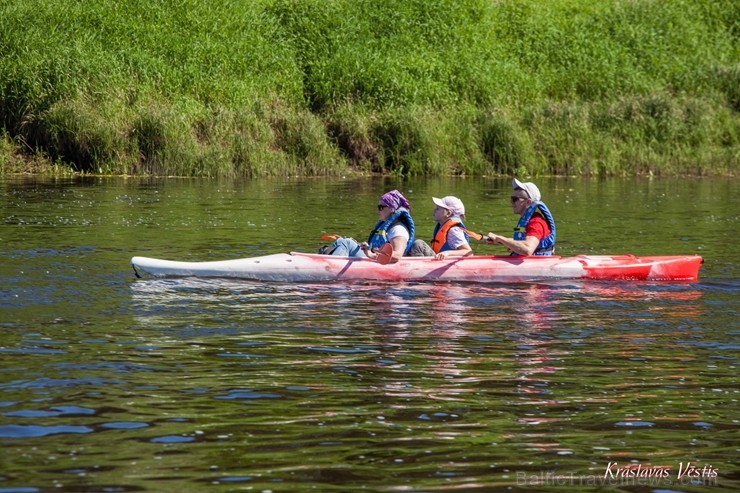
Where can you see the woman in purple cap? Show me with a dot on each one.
(394, 226)
(450, 238)
(534, 234)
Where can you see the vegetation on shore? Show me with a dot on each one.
(314, 87)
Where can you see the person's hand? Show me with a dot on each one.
(365, 247)
(441, 256)
(491, 239)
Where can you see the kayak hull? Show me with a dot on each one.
(304, 267)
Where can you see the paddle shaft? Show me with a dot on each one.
(475, 236)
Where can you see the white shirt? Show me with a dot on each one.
(398, 230)
(456, 238)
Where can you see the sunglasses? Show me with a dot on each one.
(382, 206)
(514, 200)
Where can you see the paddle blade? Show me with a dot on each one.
(331, 237)
(474, 235)
(385, 254)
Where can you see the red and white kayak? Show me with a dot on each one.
(303, 267)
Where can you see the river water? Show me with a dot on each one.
(110, 383)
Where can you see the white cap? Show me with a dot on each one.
(450, 203)
(529, 187)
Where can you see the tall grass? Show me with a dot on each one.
(276, 87)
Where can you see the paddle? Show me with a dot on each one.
(474, 235)
(384, 254)
(331, 237)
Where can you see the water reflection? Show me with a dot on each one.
(409, 330)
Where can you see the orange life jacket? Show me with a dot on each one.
(440, 235)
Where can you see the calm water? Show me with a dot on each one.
(110, 384)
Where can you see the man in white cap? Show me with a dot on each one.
(450, 238)
(534, 234)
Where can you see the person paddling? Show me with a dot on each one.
(395, 226)
(534, 234)
(450, 238)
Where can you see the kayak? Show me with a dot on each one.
(306, 267)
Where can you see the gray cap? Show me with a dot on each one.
(530, 188)
(451, 204)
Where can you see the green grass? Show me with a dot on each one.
(322, 87)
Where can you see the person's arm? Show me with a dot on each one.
(526, 246)
(535, 231)
(460, 251)
(459, 245)
(399, 248)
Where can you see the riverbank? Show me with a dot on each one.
(196, 88)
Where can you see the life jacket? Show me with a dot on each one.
(439, 243)
(547, 244)
(379, 234)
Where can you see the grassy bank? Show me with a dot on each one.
(274, 87)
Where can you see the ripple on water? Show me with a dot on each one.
(235, 479)
(43, 383)
(31, 431)
(634, 424)
(247, 394)
(51, 412)
(172, 439)
(125, 425)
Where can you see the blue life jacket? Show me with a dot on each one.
(452, 223)
(379, 235)
(547, 244)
